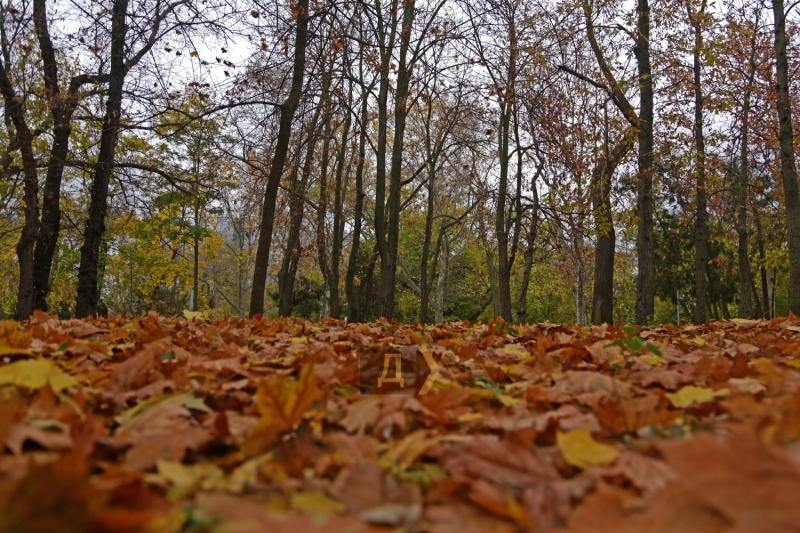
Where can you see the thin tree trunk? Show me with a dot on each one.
(444, 272)
(404, 70)
(322, 204)
(30, 194)
(530, 246)
(88, 271)
(353, 307)
(338, 200)
(758, 311)
(645, 288)
(291, 257)
(791, 193)
(765, 293)
(287, 110)
(386, 50)
(493, 283)
(742, 188)
(196, 270)
(61, 109)
(701, 214)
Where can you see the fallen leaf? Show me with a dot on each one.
(691, 394)
(580, 449)
(35, 374)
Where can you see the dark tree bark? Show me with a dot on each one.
(501, 228)
(645, 288)
(338, 200)
(602, 173)
(434, 145)
(701, 214)
(530, 247)
(353, 300)
(643, 122)
(90, 267)
(287, 110)
(746, 286)
(401, 108)
(765, 294)
(88, 289)
(291, 257)
(61, 109)
(788, 167)
(424, 289)
(30, 193)
(322, 204)
(386, 33)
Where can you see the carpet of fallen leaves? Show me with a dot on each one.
(165, 425)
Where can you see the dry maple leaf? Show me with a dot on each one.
(282, 402)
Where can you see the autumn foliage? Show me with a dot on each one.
(166, 425)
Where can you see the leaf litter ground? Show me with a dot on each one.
(165, 425)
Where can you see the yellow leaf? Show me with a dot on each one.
(410, 448)
(616, 359)
(12, 341)
(691, 394)
(35, 374)
(581, 450)
(188, 479)
(315, 502)
(508, 401)
(282, 403)
(469, 417)
(653, 360)
(191, 315)
(246, 474)
(298, 340)
(516, 349)
(794, 363)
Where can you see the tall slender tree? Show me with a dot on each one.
(287, 109)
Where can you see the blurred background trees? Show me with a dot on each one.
(418, 160)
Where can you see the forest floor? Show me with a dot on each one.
(165, 425)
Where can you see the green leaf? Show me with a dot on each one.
(633, 343)
(653, 348)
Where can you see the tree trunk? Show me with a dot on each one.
(30, 193)
(745, 309)
(385, 48)
(643, 122)
(338, 200)
(746, 285)
(530, 243)
(603, 290)
(441, 282)
(788, 168)
(196, 269)
(765, 292)
(424, 291)
(404, 70)
(493, 283)
(291, 257)
(353, 307)
(322, 204)
(61, 109)
(287, 110)
(645, 287)
(701, 215)
(88, 287)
